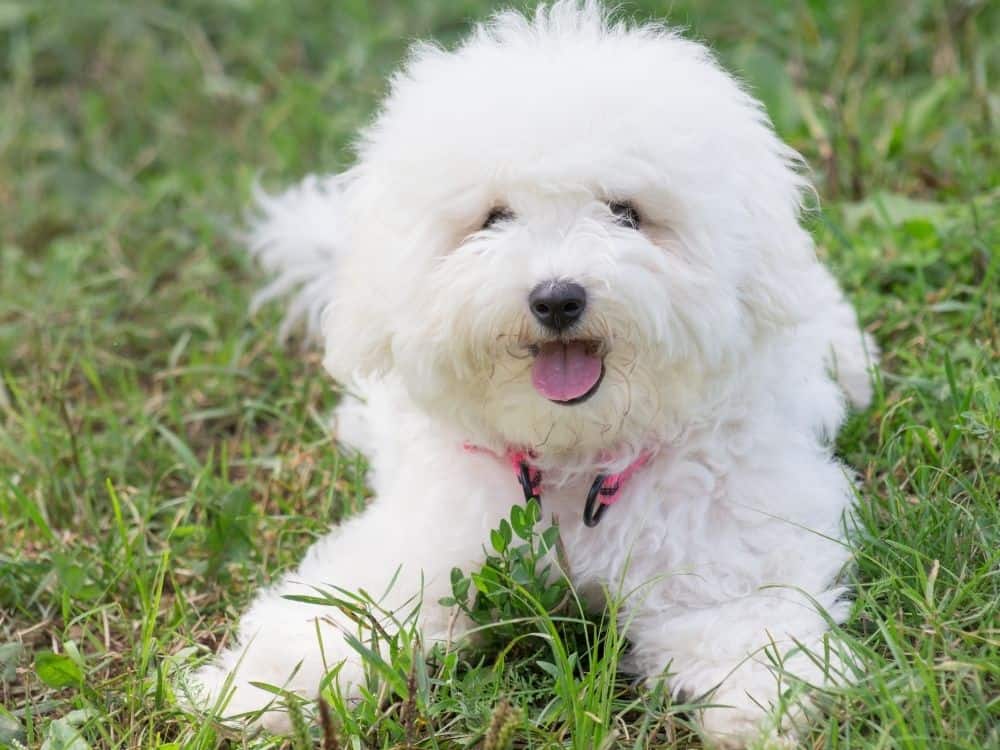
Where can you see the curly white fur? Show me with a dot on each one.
(720, 330)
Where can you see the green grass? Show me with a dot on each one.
(162, 454)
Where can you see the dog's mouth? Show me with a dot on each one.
(567, 372)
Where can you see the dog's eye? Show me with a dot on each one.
(498, 214)
(625, 214)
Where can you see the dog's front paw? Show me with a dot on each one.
(736, 720)
(238, 691)
(219, 694)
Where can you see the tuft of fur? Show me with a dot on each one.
(729, 355)
(297, 236)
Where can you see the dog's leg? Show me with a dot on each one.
(743, 611)
(400, 551)
(747, 659)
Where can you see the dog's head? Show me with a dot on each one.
(566, 232)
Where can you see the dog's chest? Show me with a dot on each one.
(666, 525)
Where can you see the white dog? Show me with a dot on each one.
(570, 248)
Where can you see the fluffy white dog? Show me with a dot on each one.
(570, 252)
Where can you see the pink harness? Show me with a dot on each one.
(605, 490)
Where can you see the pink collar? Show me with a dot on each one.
(605, 490)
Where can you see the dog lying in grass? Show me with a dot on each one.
(568, 263)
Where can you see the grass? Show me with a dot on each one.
(162, 454)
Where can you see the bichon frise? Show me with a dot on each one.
(569, 255)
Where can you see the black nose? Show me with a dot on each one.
(557, 305)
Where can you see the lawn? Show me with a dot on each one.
(163, 454)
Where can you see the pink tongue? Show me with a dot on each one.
(563, 372)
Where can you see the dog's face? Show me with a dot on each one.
(564, 236)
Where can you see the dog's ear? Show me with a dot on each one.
(357, 324)
(777, 291)
(782, 258)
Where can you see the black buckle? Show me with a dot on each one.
(592, 515)
(528, 485)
